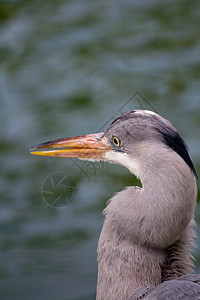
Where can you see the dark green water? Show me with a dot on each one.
(68, 68)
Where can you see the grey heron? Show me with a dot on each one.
(144, 246)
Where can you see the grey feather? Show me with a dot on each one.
(183, 288)
(147, 236)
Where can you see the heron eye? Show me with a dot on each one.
(116, 141)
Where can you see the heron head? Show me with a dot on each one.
(131, 139)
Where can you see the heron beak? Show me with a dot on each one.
(91, 146)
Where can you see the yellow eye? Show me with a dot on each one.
(116, 141)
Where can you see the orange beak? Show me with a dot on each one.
(91, 146)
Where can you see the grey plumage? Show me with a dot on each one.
(182, 288)
(147, 232)
(144, 247)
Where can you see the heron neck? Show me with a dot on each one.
(141, 228)
(124, 267)
(166, 202)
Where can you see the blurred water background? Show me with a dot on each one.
(68, 68)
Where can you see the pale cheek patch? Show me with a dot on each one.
(123, 159)
(92, 159)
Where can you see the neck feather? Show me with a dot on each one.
(145, 229)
